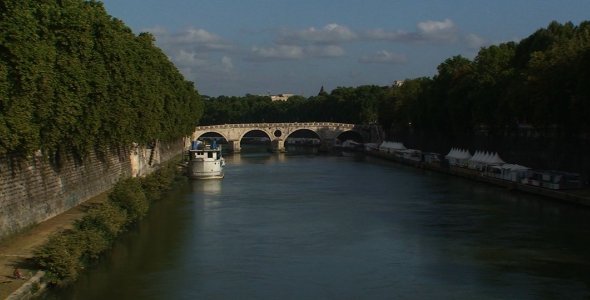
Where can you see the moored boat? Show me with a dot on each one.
(205, 161)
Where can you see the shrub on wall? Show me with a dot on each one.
(129, 196)
(160, 181)
(107, 217)
(60, 257)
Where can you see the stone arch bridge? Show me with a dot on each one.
(326, 132)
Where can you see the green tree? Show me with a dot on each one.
(73, 80)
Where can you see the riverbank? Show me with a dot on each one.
(574, 196)
(65, 245)
(18, 250)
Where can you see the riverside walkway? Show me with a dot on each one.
(17, 251)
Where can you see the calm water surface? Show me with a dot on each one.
(325, 227)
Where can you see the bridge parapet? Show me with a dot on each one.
(294, 124)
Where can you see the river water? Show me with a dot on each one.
(325, 227)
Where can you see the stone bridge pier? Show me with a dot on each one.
(234, 146)
(277, 145)
(278, 133)
(327, 144)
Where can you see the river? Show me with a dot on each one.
(325, 227)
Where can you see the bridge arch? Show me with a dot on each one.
(256, 130)
(196, 135)
(255, 138)
(303, 136)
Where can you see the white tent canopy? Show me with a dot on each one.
(458, 154)
(481, 159)
(458, 157)
(387, 146)
(496, 160)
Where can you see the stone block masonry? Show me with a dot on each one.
(34, 190)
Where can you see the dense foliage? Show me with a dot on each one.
(67, 253)
(542, 81)
(74, 79)
(346, 105)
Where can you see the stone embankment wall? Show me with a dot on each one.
(34, 190)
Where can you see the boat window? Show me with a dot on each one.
(210, 154)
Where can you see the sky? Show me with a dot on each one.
(262, 47)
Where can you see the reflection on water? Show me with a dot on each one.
(207, 187)
(318, 227)
(300, 149)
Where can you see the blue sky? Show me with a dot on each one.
(278, 46)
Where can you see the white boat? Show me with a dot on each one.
(205, 161)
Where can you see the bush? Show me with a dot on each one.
(60, 256)
(94, 242)
(159, 181)
(107, 217)
(128, 195)
(66, 254)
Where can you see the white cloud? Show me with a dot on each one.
(438, 30)
(194, 65)
(329, 41)
(188, 59)
(435, 27)
(190, 39)
(383, 57)
(196, 35)
(393, 35)
(204, 56)
(291, 52)
(427, 31)
(281, 52)
(474, 41)
(330, 34)
(158, 30)
(323, 51)
(227, 64)
(196, 52)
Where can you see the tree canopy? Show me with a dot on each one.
(74, 79)
(541, 81)
(343, 104)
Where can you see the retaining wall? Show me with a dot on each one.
(35, 190)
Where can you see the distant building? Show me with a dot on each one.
(398, 83)
(281, 97)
